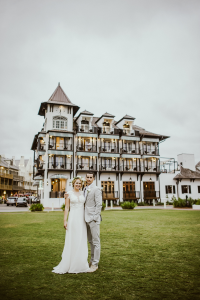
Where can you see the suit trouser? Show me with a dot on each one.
(93, 234)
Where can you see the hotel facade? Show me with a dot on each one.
(124, 157)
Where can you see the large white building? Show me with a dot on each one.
(124, 156)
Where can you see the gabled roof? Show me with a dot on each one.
(58, 97)
(105, 115)
(197, 165)
(187, 174)
(144, 132)
(6, 165)
(125, 117)
(85, 112)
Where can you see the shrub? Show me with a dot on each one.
(128, 205)
(183, 203)
(63, 207)
(103, 206)
(197, 202)
(160, 203)
(36, 207)
(141, 204)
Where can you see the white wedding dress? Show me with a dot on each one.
(75, 252)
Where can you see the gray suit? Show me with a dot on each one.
(93, 204)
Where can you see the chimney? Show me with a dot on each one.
(13, 159)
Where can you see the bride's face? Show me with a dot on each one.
(77, 184)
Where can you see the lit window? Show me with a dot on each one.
(59, 122)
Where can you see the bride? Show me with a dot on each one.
(75, 252)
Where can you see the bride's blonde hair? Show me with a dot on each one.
(77, 178)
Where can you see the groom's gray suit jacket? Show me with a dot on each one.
(93, 205)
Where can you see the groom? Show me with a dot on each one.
(93, 204)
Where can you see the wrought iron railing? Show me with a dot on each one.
(60, 146)
(60, 166)
(110, 148)
(87, 128)
(42, 147)
(109, 130)
(149, 152)
(85, 166)
(86, 148)
(108, 167)
(130, 150)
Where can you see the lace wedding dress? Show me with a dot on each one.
(75, 252)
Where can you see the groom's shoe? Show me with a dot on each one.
(92, 269)
(90, 263)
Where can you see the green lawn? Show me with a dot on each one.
(146, 254)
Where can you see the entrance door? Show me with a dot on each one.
(129, 190)
(149, 190)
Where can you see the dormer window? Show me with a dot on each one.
(59, 122)
(106, 124)
(126, 125)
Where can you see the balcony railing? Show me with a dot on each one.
(5, 187)
(17, 187)
(87, 128)
(108, 167)
(148, 194)
(149, 169)
(85, 166)
(134, 168)
(149, 152)
(6, 174)
(110, 149)
(131, 195)
(86, 148)
(109, 130)
(41, 166)
(18, 178)
(128, 131)
(60, 166)
(110, 195)
(130, 150)
(56, 194)
(42, 147)
(60, 146)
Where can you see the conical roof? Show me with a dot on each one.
(58, 97)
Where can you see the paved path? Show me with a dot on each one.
(5, 208)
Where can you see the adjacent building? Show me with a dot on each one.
(16, 176)
(124, 156)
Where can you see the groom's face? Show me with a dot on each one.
(89, 179)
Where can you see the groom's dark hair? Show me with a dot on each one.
(92, 173)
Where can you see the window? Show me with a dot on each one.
(59, 122)
(186, 189)
(199, 189)
(170, 189)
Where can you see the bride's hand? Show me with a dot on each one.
(65, 225)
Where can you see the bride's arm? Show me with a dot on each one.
(66, 209)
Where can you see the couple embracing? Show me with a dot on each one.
(84, 210)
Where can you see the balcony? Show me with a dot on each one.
(60, 166)
(56, 194)
(110, 195)
(150, 169)
(6, 174)
(86, 148)
(86, 128)
(130, 168)
(109, 149)
(60, 146)
(109, 130)
(130, 150)
(85, 166)
(41, 166)
(18, 178)
(131, 195)
(5, 187)
(42, 147)
(109, 167)
(17, 187)
(149, 152)
(149, 194)
(128, 131)
(134, 168)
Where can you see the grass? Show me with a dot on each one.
(146, 254)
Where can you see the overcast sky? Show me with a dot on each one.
(140, 58)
